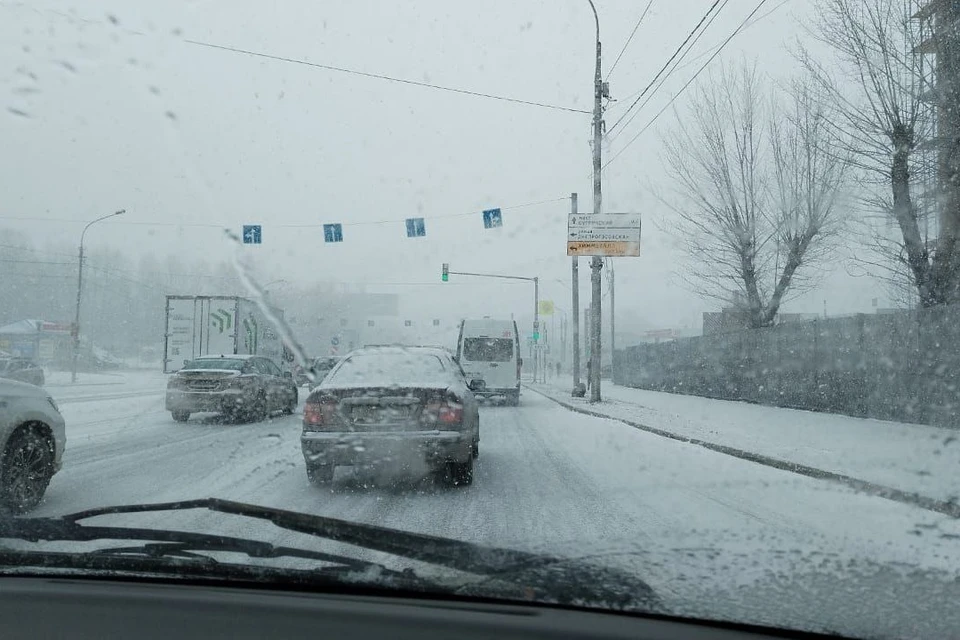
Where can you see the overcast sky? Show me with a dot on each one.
(106, 105)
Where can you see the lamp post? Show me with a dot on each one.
(76, 321)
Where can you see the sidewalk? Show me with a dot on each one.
(910, 458)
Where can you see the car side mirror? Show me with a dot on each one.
(477, 384)
(287, 374)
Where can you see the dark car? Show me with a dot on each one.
(22, 369)
(387, 403)
(320, 367)
(248, 387)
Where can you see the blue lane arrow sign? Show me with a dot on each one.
(492, 218)
(416, 228)
(333, 233)
(251, 234)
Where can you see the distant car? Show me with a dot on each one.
(384, 402)
(238, 386)
(320, 367)
(32, 439)
(22, 369)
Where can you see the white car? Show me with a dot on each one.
(32, 438)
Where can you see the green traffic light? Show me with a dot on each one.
(445, 277)
(536, 336)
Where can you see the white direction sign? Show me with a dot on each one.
(605, 234)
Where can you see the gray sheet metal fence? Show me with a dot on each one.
(903, 366)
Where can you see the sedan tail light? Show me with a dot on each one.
(447, 412)
(319, 413)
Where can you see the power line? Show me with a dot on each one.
(667, 64)
(684, 87)
(676, 65)
(380, 76)
(72, 264)
(627, 43)
(285, 226)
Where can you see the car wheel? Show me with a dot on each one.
(320, 473)
(259, 410)
(289, 409)
(459, 474)
(476, 448)
(27, 469)
(180, 415)
(514, 399)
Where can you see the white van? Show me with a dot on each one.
(490, 350)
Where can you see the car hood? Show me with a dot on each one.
(20, 389)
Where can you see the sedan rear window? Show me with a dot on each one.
(487, 349)
(389, 369)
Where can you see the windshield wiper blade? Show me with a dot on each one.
(177, 543)
(444, 552)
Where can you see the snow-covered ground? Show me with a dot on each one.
(914, 458)
(714, 535)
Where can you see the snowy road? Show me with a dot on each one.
(547, 479)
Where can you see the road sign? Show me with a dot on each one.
(333, 233)
(492, 218)
(546, 307)
(416, 228)
(252, 234)
(606, 234)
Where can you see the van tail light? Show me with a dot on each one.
(319, 413)
(447, 412)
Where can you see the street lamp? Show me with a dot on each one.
(76, 322)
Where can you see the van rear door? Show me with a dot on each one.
(492, 358)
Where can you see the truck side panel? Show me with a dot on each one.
(219, 325)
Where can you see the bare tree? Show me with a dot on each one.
(756, 184)
(889, 124)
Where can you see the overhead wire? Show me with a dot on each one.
(663, 80)
(667, 63)
(380, 76)
(627, 43)
(688, 83)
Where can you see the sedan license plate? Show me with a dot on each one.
(379, 415)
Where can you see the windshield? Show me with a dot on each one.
(488, 349)
(219, 363)
(663, 296)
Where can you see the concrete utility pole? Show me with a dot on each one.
(596, 263)
(76, 321)
(575, 288)
(613, 326)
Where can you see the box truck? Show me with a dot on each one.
(218, 325)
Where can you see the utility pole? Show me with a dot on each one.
(575, 288)
(613, 326)
(536, 326)
(76, 321)
(596, 263)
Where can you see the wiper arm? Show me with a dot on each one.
(178, 543)
(452, 554)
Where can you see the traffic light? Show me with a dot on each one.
(536, 331)
(445, 274)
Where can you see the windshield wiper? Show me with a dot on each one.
(560, 577)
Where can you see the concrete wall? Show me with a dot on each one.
(903, 366)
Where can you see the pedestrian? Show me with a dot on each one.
(589, 371)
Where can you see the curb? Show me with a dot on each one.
(947, 508)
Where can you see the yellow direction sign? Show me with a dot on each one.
(614, 248)
(546, 307)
